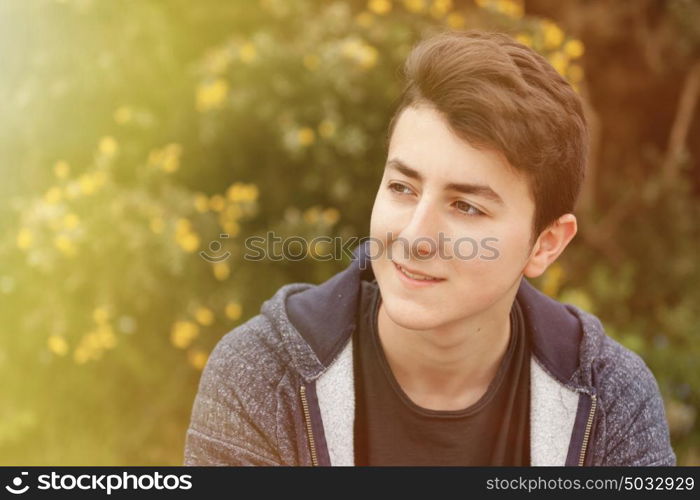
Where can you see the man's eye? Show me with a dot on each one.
(397, 187)
(470, 210)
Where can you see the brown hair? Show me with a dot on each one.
(496, 93)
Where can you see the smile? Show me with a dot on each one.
(414, 277)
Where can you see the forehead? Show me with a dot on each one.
(423, 140)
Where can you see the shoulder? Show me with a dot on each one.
(620, 374)
(633, 428)
(246, 359)
(233, 417)
(233, 420)
(608, 365)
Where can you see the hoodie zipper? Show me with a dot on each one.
(587, 432)
(307, 420)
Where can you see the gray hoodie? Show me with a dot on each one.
(279, 388)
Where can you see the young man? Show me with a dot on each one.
(430, 348)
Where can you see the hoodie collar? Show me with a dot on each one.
(326, 315)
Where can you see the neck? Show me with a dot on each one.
(451, 366)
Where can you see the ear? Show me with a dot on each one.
(551, 242)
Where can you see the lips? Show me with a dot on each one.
(413, 274)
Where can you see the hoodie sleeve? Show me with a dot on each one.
(223, 429)
(634, 430)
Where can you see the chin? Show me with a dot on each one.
(411, 317)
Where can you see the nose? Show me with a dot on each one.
(419, 235)
(423, 248)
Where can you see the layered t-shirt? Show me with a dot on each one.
(390, 429)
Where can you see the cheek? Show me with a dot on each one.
(506, 240)
(491, 259)
(385, 217)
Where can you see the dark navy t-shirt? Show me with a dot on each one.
(392, 430)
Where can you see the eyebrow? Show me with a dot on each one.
(476, 189)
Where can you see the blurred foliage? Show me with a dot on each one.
(139, 134)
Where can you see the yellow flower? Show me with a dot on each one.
(87, 184)
(197, 358)
(560, 62)
(553, 35)
(252, 192)
(221, 270)
(189, 242)
(235, 192)
(368, 56)
(71, 221)
(101, 315)
(380, 7)
(227, 220)
(171, 158)
(92, 342)
(183, 333)
(65, 245)
(311, 215)
(331, 216)
(247, 52)
(61, 169)
(211, 95)
(306, 136)
(574, 49)
(234, 310)
(201, 203)
(204, 316)
(157, 225)
(108, 145)
(217, 203)
(456, 20)
(311, 61)
(326, 129)
(105, 338)
(414, 5)
(57, 344)
(183, 226)
(123, 114)
(362, 53)
(53, 195)
(510, 8)
(524, 38)
(440, 7)
(240, 192)
(24, 238)
(231, 228)
(167, 158)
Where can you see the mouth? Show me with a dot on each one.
(415, 276)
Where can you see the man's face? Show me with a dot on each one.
(485, 231)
